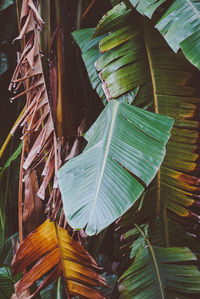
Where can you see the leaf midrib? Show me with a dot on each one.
(155, 97)
(154, 261)
(153, 80)
(194, 8)
(115, 107)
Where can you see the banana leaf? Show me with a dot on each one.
(162, 232)
(97, 187)
(179, 24)
(50, 251)
(88, 41)
(159, 272)
(168, 84)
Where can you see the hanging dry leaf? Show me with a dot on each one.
(39, 137)
(33, 214)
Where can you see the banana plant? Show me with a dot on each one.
(119, 174)
(134, 56)
(167, 81)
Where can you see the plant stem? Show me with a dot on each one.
(58, 289)
(166, 226)
(79, 13)
(60, 70)
(88, 9)
(10, 135)
(20, 195)
(96, 251)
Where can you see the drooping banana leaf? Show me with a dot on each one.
(50, 251)
(90, 53)
(159, 272)
(97, 187)
(162, 231)
(179, 24)
(90, 49)
(175, 235)
(168, 84)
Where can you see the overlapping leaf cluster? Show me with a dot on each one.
(133, 56)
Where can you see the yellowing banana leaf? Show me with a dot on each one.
(126, 146)
(50, 250)
(179, 24)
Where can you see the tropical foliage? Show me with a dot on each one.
(181, 31)
(100, 170)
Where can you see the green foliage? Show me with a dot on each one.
(6, 280)
(3, 63)
(165, 82)
(128, 61)
(161, 273)
(123, 140)
(54, 291)
(6, 283)
(5, 4)
(88, 40)
(90, 53)
(12, 158)
(134, 57)
(146, 7)
(180, 24)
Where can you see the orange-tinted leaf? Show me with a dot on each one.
(54, 252)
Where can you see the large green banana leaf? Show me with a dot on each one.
(161, 273)
(97, 187)
(166, 83)
(179, 24)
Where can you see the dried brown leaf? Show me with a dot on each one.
(51, 248)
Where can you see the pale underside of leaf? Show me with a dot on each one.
(97, 186)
